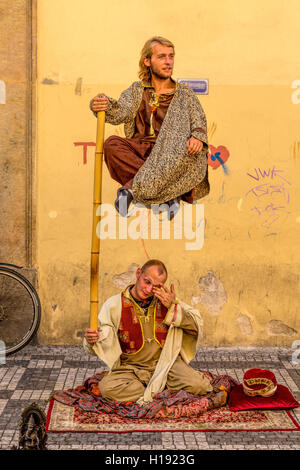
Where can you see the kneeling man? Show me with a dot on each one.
(147, 337)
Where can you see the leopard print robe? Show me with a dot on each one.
(169, 171)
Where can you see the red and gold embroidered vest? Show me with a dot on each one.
(130, 330)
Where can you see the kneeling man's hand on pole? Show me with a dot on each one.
(91, 336)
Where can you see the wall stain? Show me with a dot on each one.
(295, 150)
(277, 327)
(78, 86)
(49, 81)
(213, 295)
(122, 280)
(245, 324)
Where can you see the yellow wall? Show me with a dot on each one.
(249, 51)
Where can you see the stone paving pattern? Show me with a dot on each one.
(35, 372)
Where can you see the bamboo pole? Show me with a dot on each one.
(97, 200)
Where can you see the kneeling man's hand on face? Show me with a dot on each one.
(166, 296)
(91, 336)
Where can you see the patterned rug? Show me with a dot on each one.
(66, 418)
(83, 409)
(166, 404)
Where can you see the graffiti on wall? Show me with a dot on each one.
(217, 156)
(269, 196)
(85, 146)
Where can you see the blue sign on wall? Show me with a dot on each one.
(200, 86)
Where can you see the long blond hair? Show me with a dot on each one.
(146, 53)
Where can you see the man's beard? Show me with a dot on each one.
(157, 74)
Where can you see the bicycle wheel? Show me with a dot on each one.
(20, 310)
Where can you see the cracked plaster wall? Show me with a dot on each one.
(245, 278)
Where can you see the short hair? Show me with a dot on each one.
(155, 262)
(146, 53)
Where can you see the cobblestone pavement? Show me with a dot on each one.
(35, 372)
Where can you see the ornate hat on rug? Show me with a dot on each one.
(260, 382)
(260, 390)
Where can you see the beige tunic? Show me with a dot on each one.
(128, 381)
